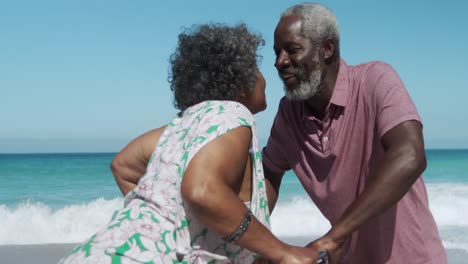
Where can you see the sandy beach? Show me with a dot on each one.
(51, 253)
(37, 254)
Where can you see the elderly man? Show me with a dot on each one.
(354, 138)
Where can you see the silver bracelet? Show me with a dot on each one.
(241, 229)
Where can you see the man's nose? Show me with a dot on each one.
(282, 60)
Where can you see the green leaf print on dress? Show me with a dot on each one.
(154, 226)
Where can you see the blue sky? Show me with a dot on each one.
(91, 75)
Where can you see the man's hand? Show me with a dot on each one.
(332, 247)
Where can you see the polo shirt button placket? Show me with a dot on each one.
(325, 144)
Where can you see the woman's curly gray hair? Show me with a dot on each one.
(213, 62)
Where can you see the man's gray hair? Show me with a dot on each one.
(319, 23)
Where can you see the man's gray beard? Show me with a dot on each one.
(306, 89)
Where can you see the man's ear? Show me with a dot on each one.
(328, 48)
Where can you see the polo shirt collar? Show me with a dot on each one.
(341, 91)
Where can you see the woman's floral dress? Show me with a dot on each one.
(154, 226)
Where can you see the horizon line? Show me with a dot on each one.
(114, 152)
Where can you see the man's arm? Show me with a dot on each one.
(273, 182)
(129, 165)
(404, 161)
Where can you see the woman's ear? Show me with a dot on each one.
(242, 94)
(242, 98)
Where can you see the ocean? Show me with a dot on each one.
(64, 198)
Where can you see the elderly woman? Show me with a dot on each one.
(195, 191)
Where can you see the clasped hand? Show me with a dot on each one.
(310, 253)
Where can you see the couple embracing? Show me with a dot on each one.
(200, 189)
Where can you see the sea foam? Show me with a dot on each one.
(36, 223)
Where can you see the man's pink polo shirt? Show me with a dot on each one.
(334, 157)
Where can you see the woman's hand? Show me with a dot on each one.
(293, 255)
(299, 255)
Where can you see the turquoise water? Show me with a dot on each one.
(58, 198)
(447, 166)
(58, 180)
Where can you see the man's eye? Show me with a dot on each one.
(293, 50)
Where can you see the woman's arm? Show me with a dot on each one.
(210, 188)
(129, 165)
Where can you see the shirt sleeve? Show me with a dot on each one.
(274, 158)
(392, 101)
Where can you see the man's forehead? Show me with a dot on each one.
(289, 24)
(290, 21)
(288, 28)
